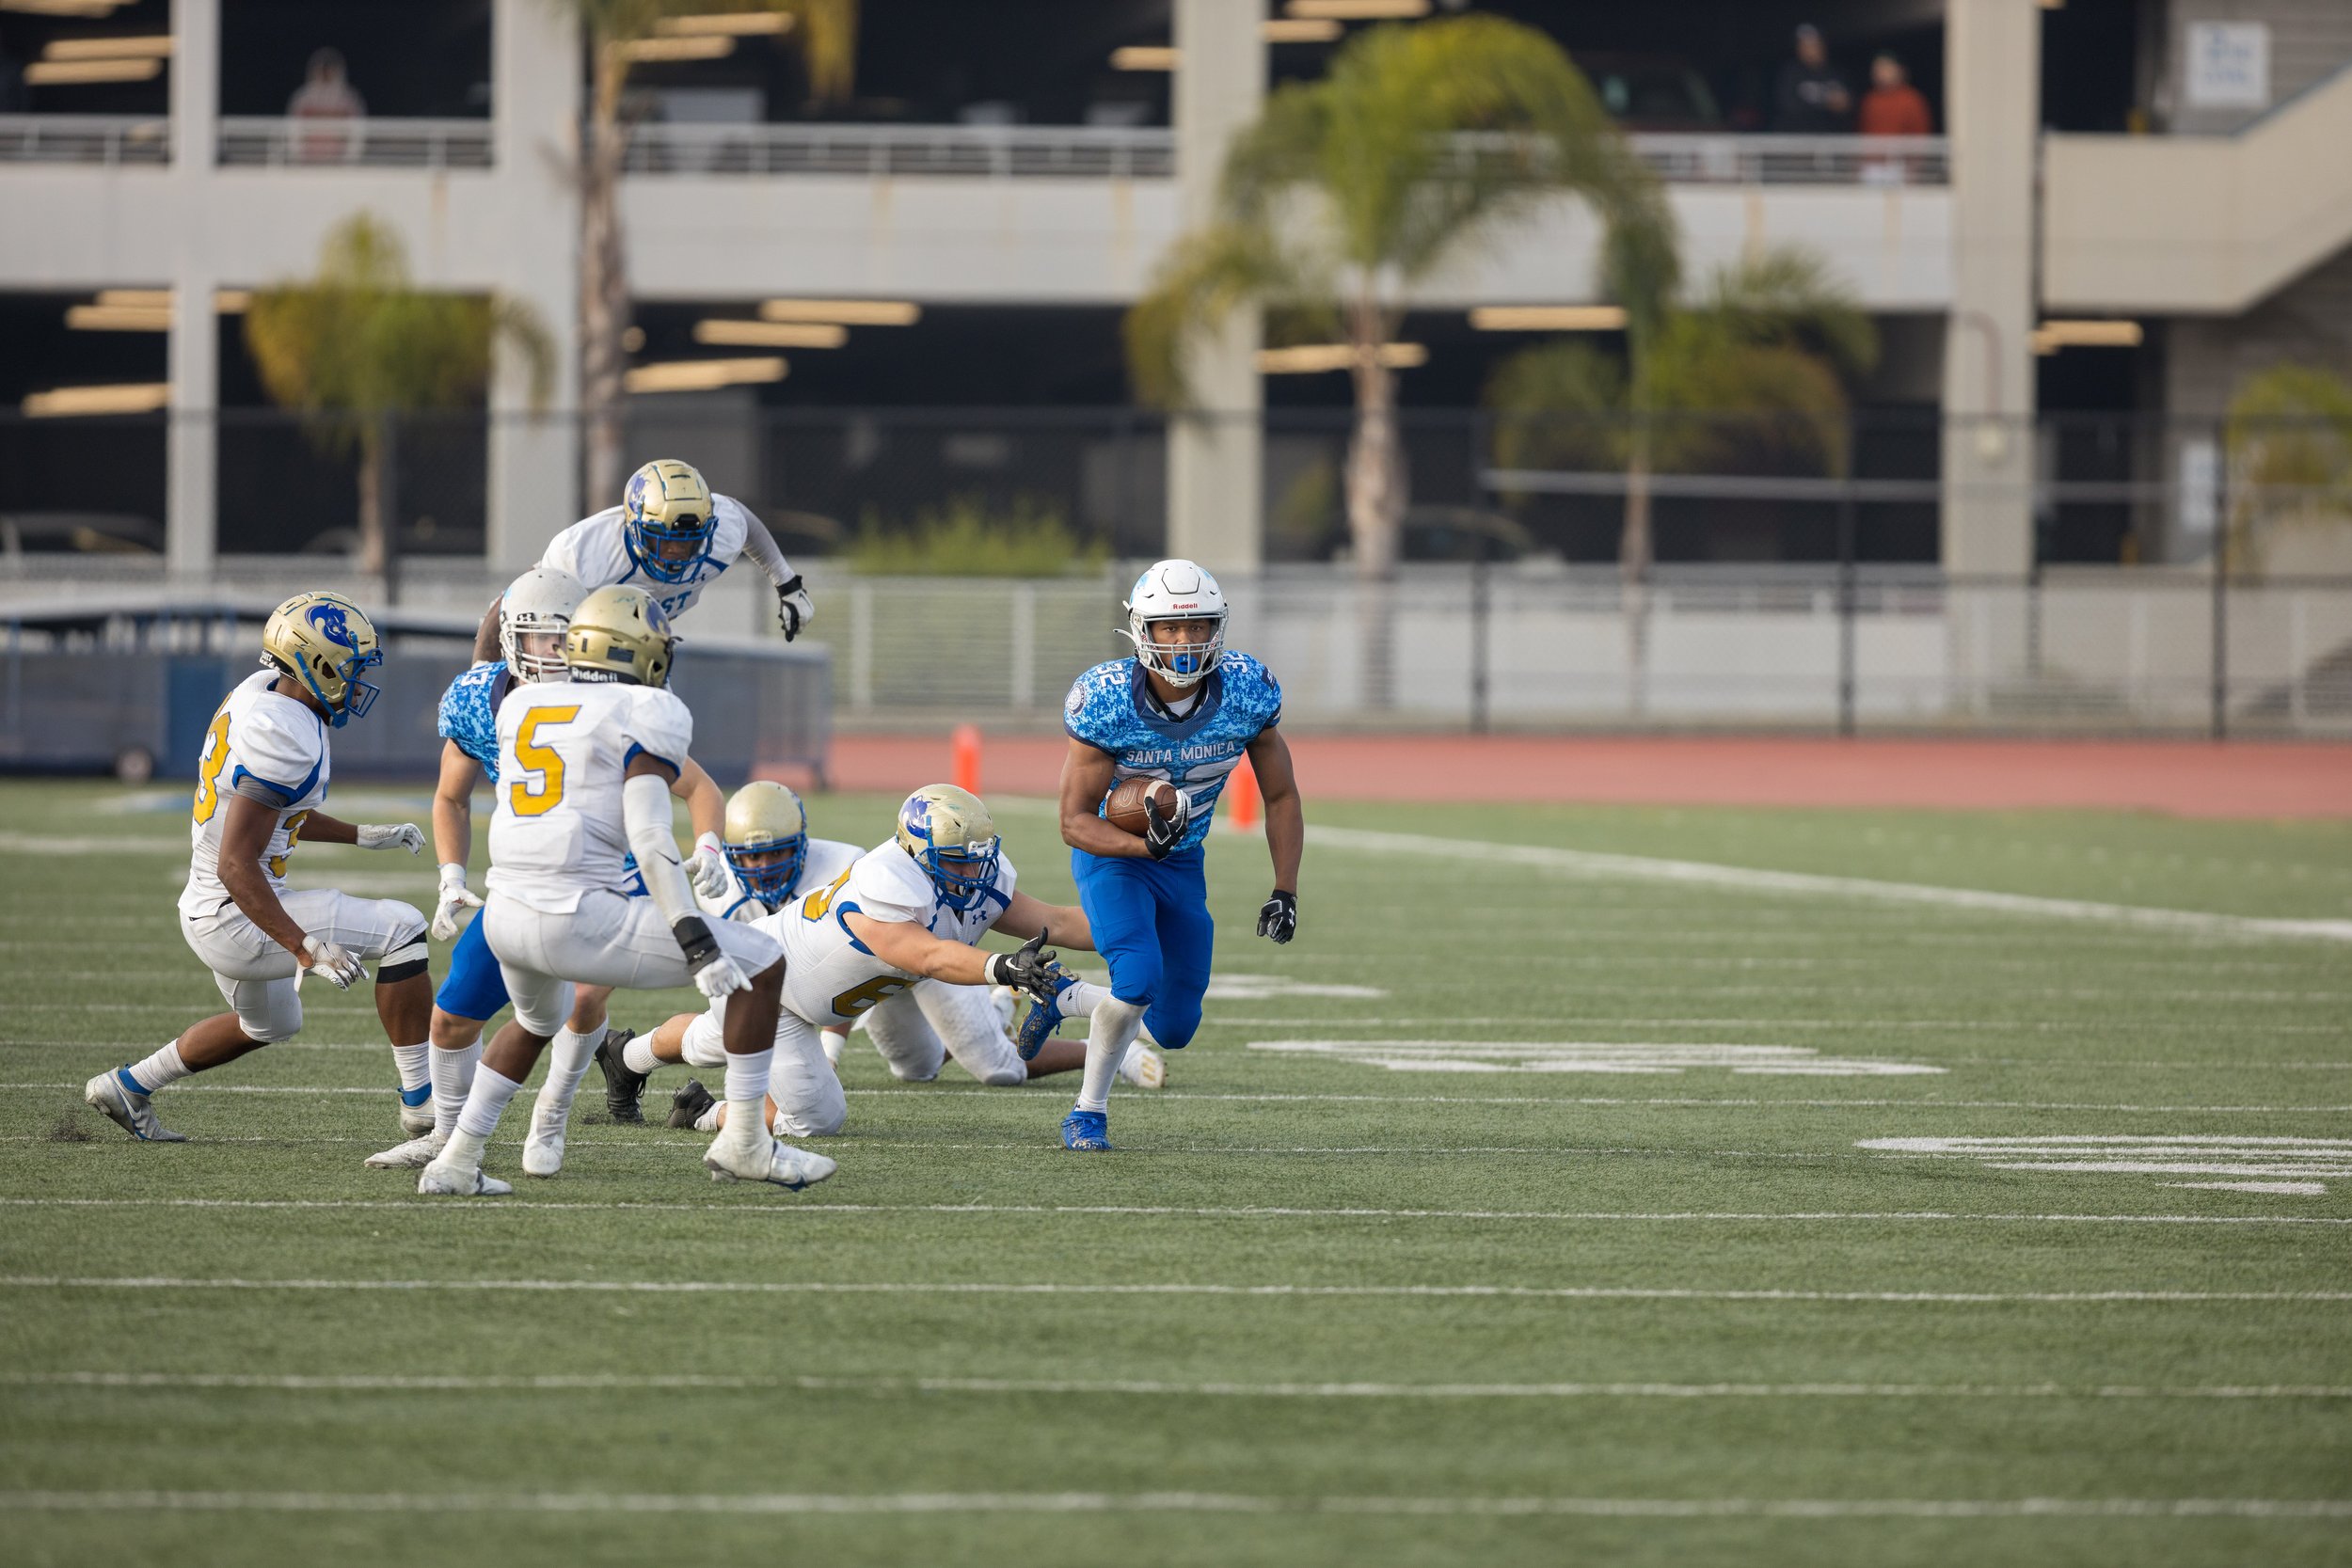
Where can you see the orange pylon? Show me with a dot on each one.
(1249, 805)
(964, 765)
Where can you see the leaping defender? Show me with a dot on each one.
(260, 780)
(671, 536)
(585, 766)
(1185, 710)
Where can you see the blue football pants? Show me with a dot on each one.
(1151, 921)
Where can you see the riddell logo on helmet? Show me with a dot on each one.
(1193, 606)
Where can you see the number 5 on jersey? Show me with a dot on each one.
(543, 791)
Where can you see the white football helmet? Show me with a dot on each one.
(538, 605)
(1177, 591)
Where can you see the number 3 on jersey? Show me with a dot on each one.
(208, 762)
(542, 793)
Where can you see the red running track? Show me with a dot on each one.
(2243, 779)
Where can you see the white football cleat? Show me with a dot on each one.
(133, 1113)
(1143, 1066)
(543, 1151)
(416, 1120)
(766, 1161)
(415, 1154)
(1003, 996)
(442, 1180)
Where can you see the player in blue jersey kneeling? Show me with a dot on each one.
(1184, 710)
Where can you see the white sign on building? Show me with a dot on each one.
(2228, 64)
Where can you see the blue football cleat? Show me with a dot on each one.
(1044, 1018)
(1088, 1132)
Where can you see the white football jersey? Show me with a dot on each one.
(593, 550)
(563, 748)
(270, 747)
(827, 858)
(829, 975)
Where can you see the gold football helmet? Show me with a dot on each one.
(666, 519)
(620, 634)
(766, 840)
(951, 835)
(325, 640)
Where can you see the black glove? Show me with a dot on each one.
(793, 606)
(1161, 834)
(1031, 969)
(1278, 916)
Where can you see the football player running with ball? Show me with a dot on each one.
(672, 537)
(585, 766)
(533, 616)
(260, 780)
(1186, 711)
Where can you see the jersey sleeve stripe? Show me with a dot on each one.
(636, 750)
(840, 917)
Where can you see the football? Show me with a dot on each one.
(1124, 809)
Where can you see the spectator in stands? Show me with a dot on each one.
(1892, 108)
(326, 95)
(1812, 99)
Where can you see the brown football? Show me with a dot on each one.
(1124, 809)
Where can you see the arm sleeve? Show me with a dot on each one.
(645, 810)
(762, 546)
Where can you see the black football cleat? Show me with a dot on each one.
(623, 1089)
(688, 1105)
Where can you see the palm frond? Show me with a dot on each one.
(1207, 276)
(1558, 405)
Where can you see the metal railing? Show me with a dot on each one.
(275, 141)
(1097, 153)
(878, 151)
(110, 140)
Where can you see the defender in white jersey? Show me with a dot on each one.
(260, 781)
(585, 766)
(905, 917)
(671, 536)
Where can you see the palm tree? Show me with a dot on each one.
(1350, 190)
(2289, 439)
(1756, 369)
(357, 346)
(1754, 372)
(828, 33)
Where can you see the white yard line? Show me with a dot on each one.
(426, 1505)
(1613, 868)
(598, 1381)
(859, 1288)
(815, 1207)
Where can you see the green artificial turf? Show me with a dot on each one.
(1646, 1316)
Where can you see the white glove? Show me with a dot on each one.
(448, 914)
(335, 964)
(720, 977)
(794, 607)
(391, 835)
(707, 867)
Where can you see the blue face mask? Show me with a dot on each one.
(771, 884)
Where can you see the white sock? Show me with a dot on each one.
(638, 1056)
(835, 1042)
(1115, 1026)
(163, 1066)
(1081, 998)
(747, 1094)
(567, 1063)
(710, 1118)
(484, 1104)
(415, 1071)
(453, 1077)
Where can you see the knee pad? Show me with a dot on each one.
(405, 961)
(909, 1075)
(1171, 1029)
(1005, 1077)
(279, 1019)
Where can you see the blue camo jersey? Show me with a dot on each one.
(1109, 710)
(469, 713)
